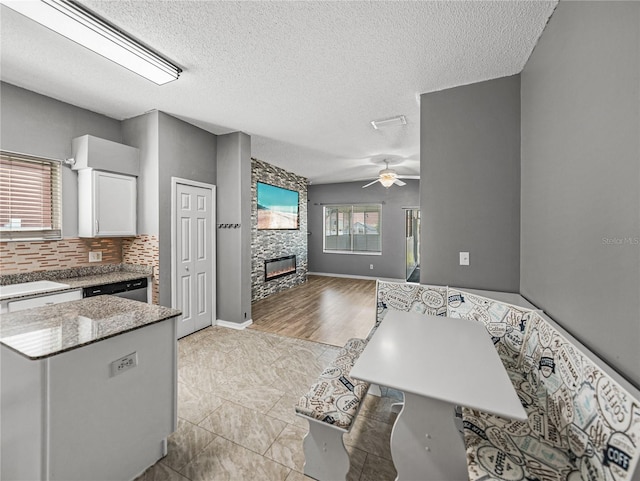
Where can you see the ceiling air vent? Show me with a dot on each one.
(397, 121)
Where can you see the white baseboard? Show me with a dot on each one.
(234, 325)
(350, 276)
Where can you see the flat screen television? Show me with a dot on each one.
(277, 208)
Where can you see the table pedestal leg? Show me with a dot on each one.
(425, 444)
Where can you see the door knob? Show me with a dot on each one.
(186, 268)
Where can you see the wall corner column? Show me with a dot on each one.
(234, 233)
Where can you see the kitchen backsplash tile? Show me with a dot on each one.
(16, 257)
(73, 253)
(144, 250)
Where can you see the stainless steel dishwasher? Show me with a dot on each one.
(135, 289)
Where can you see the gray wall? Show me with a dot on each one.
(234, 245)
(187, 152)
(31, 123)
(581, 177)
(391, 264)
(470, 185)
(142, 132)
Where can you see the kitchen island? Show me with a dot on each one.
(88, 389)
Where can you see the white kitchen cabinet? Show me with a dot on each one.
(47, 300)
(107, 204)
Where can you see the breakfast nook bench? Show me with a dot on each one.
(583, 417)
(330, 407)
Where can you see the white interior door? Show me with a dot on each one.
(194, 255)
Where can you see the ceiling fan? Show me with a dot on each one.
(387, 177)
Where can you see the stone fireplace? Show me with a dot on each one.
(276, 244)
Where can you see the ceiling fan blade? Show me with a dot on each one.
(399, 182)
(371, 183)
(409, 177)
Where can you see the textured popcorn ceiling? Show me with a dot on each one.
(303, 78)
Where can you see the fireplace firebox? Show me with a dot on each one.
(282, 266)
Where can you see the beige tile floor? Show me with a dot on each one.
(236, 418)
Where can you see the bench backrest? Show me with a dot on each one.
(600, 417)
(505, 323)
(410, 297)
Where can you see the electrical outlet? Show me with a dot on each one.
(370, 266)
(464, 258)
(124, 364)
(95, 256)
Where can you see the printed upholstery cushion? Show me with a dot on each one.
(348, 354)
(582, 424)
(401, 296)
(335, 397)
(505, 323)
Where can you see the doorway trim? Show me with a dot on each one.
(174, 257)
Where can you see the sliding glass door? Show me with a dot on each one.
(412, 235)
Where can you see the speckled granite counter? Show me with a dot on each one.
(46, 331)
(76, 278)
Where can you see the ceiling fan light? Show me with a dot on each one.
(387, 181)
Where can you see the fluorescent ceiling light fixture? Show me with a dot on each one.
(85, 28)
(396, 121)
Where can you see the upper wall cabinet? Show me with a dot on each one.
(106, 187)
(96, 153)
(107, 204)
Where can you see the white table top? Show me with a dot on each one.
(452, 360)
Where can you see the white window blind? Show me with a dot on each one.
(30, 198)
(353, 229)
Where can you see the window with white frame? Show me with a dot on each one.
(353, 229)
(30, 198)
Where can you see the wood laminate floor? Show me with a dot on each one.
(329, 310)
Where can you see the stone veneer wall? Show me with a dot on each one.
(30, 256)
(270, 244)
(144, 250)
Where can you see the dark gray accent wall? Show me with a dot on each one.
(187, 152)
(272, 244)
(33, 124)
(470, 185)
(391, 264)
(581, 177)
(234, 244)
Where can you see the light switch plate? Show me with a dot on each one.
(464, 258)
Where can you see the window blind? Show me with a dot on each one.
(30, 197)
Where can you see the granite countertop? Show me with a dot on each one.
(100, 279)
(75, 278)
(46, 331)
